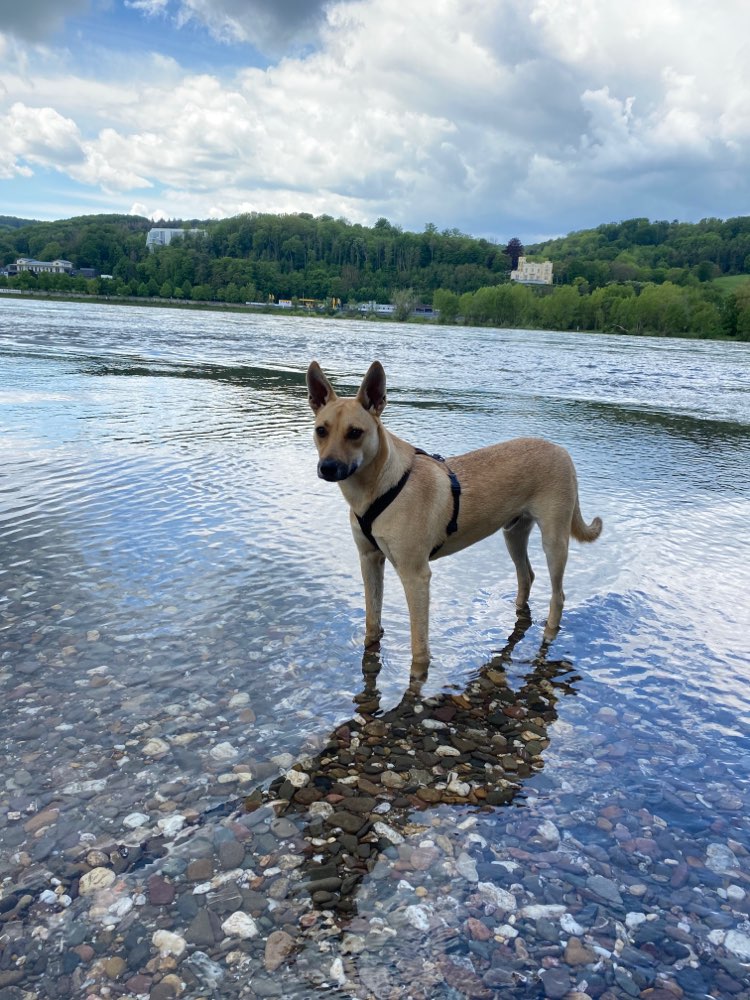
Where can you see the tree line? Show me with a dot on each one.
(634, 276)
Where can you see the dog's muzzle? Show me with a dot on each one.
(333, 471)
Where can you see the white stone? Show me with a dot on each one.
(322, 809)
(571, 926)
(383, 830)
(239, 699)
(548, 832)
(499, 897)
(78, 787)
(298, 779)
(240, 925)
(97, 878)
(720, 858)
(506, 931)
(447, 751)
(168, 943)
(223, 752)
(418, 916)
(336, 971)
(155, 747)
(461, 788)
(536, 911)
(171, 825)
(735, 893)
(633, 919)
(738, 943)
(133, 820)
(467, 866)
(48, 897)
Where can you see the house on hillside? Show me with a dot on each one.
(163, 237)
(40, 266)
(531, 273)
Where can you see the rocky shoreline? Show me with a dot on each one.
(421, 852)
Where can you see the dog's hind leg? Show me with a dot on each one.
(516, 537)
(555, 544)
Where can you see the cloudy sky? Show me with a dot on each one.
(499, 117)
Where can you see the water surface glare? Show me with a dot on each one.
(185, 704)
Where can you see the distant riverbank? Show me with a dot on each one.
(476, 320)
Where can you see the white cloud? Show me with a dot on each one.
(485, 116)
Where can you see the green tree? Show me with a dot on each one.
(447, 303)
(404, 299)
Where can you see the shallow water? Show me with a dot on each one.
(173, 570)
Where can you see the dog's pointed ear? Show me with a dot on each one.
(320, 391)
(372, 391)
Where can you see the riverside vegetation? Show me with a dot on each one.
(636, 276)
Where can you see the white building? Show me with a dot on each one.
(41, 266)
(163, 237)
(529, 273)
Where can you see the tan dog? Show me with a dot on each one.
(409, 507)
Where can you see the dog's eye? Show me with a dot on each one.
(321, 432)
(354, 433)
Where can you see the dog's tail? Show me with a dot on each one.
(581, 531)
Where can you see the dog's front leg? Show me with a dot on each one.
(372, 563)
(416, 581)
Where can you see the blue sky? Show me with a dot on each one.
(499, 119)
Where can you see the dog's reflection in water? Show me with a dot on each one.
(360, 795)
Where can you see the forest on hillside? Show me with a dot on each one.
(634, 276)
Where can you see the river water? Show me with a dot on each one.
(186, 713)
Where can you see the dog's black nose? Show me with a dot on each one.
(332, 471)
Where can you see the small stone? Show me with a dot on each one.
(570, 925)
(203, 928)
(200, 869)
(467, 867)
(738, 943)
(114, 967)
(297, 778)
(168, 943)
(720, 859)
(208, 971)
(231, 854)
(135, 819)
(155, 747)
(499, 897)
(577, 954)
(549, 832)
(223, 752)
(170, 826)
(45, 818)
(96, 879)
(279, 947)
(556, 982)
(477, 930)
(387, 833)
(542, 911)
(418, 916)
(240, 925)
(605, 888)
(160, 891)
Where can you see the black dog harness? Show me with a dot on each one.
(384, 501)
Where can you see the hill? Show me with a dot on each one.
(12, 222)
(633, 276)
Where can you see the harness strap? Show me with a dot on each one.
(377, 507)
